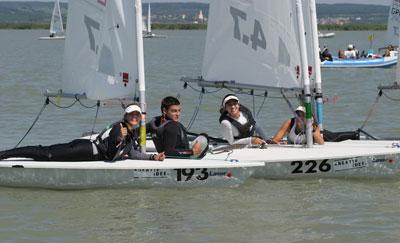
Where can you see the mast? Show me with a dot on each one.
(149, 19)
(317, 64)
(141, 77)
(397, 78)
(304, 70)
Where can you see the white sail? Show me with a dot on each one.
(149, 19)
(393, 31)
(100, 51)
(253, 42)
(56, 24)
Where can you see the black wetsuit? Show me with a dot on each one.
(169, 137)
(82, 149)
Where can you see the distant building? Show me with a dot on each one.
(199, 18)
(337, 20)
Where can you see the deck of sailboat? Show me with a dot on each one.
(127, 164)
(331, 150)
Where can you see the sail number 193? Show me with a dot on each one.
(188, 174)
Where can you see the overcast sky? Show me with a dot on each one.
(380, 2)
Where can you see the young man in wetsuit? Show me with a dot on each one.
(120, 141)
(170, 136)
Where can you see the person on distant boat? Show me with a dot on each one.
(118, 142)
(351, 52)
(295, 129)
(325, 55)
(51, 35)
(356, 51)
(170, 136)
(389, 51)
(237, 123)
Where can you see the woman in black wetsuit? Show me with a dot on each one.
(120, 141)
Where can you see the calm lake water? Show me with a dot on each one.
(259, 211)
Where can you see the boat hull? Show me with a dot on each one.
(326, 35)
(349, 159)
(361, 167)
(52, 38)
(360, 63)
(147, 36)
(124, 174)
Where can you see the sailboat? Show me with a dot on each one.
(56, 24)
(148, 33)
(372, 60)
(103, 58)
(266, 45)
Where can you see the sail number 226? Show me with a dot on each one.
(310, 166)
(257, 38)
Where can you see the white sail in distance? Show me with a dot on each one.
(393, 29)
(100, 51)
(253, 42)
(56, 24)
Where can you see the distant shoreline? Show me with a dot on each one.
(190, 26)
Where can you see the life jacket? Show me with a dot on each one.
(102, 142)
(158, 130)
(245, 130)
(296, 136)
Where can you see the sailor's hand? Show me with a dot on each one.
(159, 157)
(123, 131)
(196, 148)
(270, 141)
(257, 141)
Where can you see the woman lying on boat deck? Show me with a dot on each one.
(117, 142)
(295, 130)
(237, 123)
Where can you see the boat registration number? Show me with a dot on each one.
(310, 166)
(188, 174)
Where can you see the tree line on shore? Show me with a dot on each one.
(188, 26)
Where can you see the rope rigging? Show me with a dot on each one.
(49, 101)
(390, 98)
(34, 122)
(371, 109)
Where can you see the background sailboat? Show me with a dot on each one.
(147, 33)
(56, 24)
(264, 45)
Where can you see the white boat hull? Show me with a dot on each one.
(326, 35)
(349, 159)
(127, 173)
(52, 38)
(152, 35)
